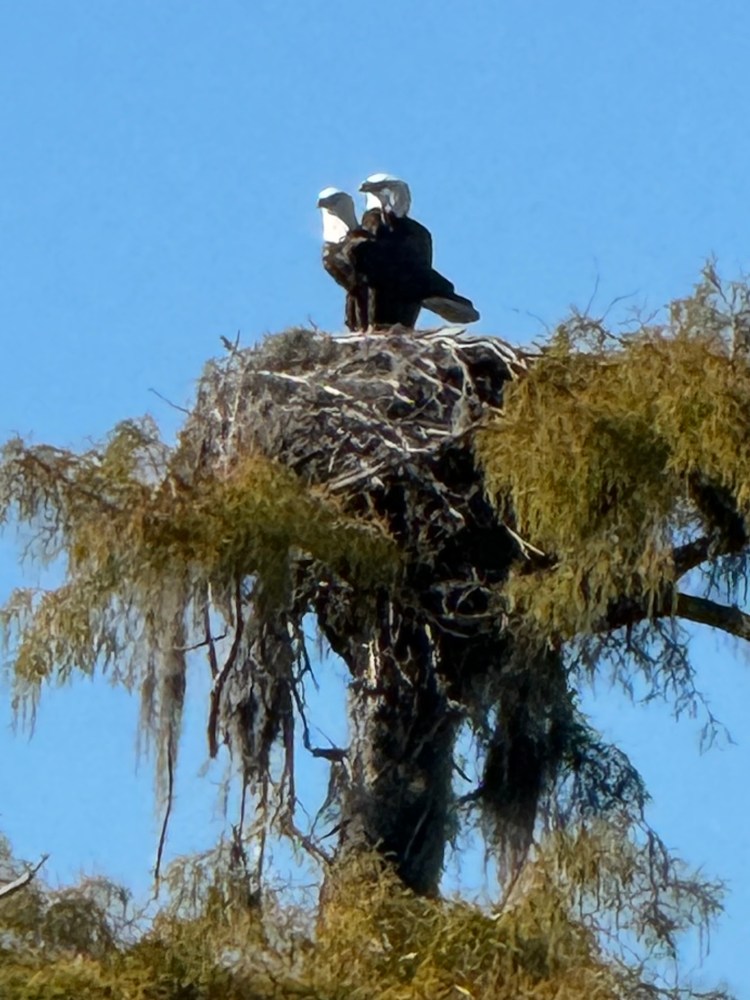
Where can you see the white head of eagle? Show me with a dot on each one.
(387, 192)
(338, 213)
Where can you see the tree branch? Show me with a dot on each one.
(685, 557)
(705, 612)
(167, 813)
(631, 611)
(221, 678)
(23, 880)
(690, 555)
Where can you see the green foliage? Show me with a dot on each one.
(599, 453)
(371, 940)
(157, 561)
(141, 545)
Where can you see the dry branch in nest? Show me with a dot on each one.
(352, 412)
(380, 425)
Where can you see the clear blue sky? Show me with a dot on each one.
(159, 169)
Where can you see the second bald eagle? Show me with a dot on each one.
(385, 264)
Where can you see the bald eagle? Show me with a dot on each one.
(363, 265)
(341, 237)
(384, 263)
(400, 265)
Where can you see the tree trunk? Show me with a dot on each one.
(401, 754)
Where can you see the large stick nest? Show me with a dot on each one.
(351, 410)
(384, 423)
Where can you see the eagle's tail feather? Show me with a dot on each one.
(455, 308)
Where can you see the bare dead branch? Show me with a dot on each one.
(23, 880)
(221, 679)
(169, 402)
(310, 845)
(167, 811)
(210, 642)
